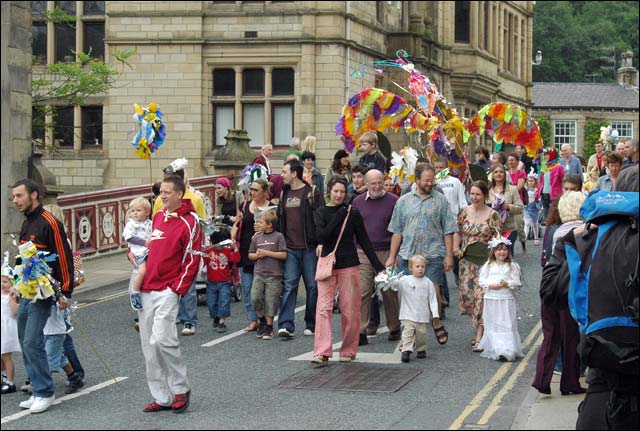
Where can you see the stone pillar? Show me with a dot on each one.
(16, 108)
(235, 155)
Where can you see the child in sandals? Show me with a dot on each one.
(418, 306)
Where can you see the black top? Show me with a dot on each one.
(246, 233)
(329, 221)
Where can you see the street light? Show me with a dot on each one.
(538, 59)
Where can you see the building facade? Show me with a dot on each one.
(274, 68)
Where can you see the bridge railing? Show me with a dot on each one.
(95, 220)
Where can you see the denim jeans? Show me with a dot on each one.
(55, 352)
(299, 263)
(219, 298)
(188, 312)
(32, 318)
(246, 279)
(72, 356)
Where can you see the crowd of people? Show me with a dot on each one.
(355, 238)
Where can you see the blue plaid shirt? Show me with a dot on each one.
(423, 223)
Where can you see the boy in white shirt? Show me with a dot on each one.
(418, 306)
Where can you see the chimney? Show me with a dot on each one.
(627, 75)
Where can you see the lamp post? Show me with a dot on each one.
(538, 59)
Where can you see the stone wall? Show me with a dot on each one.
(16, 107)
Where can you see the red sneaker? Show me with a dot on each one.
(155, 407)
(180, 402)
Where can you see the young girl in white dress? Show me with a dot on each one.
(499, 277)
(9, 334)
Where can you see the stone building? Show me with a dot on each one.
(16, 109)
(275, 68)
(569, 106)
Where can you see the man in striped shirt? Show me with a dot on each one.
(47, 233)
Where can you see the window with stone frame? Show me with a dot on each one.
(85, 32)
(462, 21)
(624, 128)
(265, 99)
(565, 133)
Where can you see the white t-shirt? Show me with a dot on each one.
(454, 192)
(418, 301)
(141, 229)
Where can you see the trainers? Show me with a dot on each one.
(41, 404)
(26, 404)
(189, 329)
(268, 332)
(8, 388)
(74, 385)
(371, 331)
(406, 357)
(180, 402)
(307, 332)
(284, 333)
(394, 335)
(222, 328)
(422, 355)
(362, 340)
(262, 327)
(346, 358)
(136, 301)
(155, 407)
(216, 322)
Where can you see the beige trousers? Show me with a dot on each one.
(389, 298)
(414, 333)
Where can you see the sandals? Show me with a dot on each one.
(253, 326)
(477, 348)
(441, 335)
(318, 359)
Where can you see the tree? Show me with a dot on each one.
(579, 38)
(70, 84)
(591, 135)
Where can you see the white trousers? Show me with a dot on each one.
(166, 370)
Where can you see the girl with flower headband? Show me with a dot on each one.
(499, 277)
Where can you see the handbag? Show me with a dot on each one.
(476, 253)
(326, 263)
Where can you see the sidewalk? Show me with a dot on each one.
(104, 271)
(550, 412)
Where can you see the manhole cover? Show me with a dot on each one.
(352, 377)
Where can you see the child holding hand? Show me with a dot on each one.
(418, 307)
(499, 277)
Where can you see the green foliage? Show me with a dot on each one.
(579, 38)
(69, 84)
(545, 131)
(591, 135)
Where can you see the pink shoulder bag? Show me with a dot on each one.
(325, 263)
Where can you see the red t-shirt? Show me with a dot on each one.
(515, 177)
(218, 263)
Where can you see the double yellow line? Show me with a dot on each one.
(495, 403)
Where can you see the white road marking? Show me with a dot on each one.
(85, 391)
(241, 332)
(362, 357)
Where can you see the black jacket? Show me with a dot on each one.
(311, 204)
(47, 233)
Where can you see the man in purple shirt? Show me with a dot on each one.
(376, 207)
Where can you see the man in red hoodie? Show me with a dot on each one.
(171, 267)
